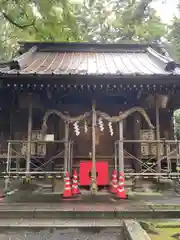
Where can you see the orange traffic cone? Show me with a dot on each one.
(120, 190)
(67, 187)
(114, 182)
(75, 188)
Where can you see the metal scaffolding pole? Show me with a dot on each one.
(121, 148)
(93, 176)
(28, 159)
(8, 167)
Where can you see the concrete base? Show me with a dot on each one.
(133, 231)
(59, 185)
(143, 185)
(138, 185)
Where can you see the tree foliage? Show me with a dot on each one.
(174, 35)
(114, 21)
(177, 123)
(35, 20)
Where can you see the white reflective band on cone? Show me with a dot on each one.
(114, 181)
(67, 188)
(66, 178)
(121, 184)
(75, 181)
(121, 190)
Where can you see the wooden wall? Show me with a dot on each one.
(17, 126)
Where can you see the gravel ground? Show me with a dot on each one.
(64, 234)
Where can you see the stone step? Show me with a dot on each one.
(60, 223)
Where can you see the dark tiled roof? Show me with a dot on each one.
(87, 59)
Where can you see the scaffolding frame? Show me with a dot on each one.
(68, 148)
(148, 165)
(35, 169)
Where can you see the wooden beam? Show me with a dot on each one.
(137, 146)
(93, 177)
(28, 159)
(158, 167)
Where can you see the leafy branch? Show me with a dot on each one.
(13, 22)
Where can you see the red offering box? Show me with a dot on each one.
(101, 173)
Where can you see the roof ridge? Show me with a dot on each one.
(83, 46)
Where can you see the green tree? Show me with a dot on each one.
(174, 36)
(177, 123)
(114, 21)
(35, 20)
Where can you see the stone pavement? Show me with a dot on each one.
(99, 206)
(64, 234)
(121, 210)
(136, 198)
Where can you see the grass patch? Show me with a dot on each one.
(149, 227)
(164, 206)
(165, 234)
(161, 230)
(168, 225)
(131, 193)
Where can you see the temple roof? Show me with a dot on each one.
(89, 59)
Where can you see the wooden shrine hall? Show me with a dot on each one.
(94, 107)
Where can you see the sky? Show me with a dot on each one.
(166, 9)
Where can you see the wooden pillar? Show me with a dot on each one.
(158, 167)
(137, 146)
(66, 138)
(50, 147)
(171, 125)
(121, 148)
(28, 159)
(93, 177)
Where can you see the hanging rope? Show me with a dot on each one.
(105, 116)
(125, 114)
(63, 117)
